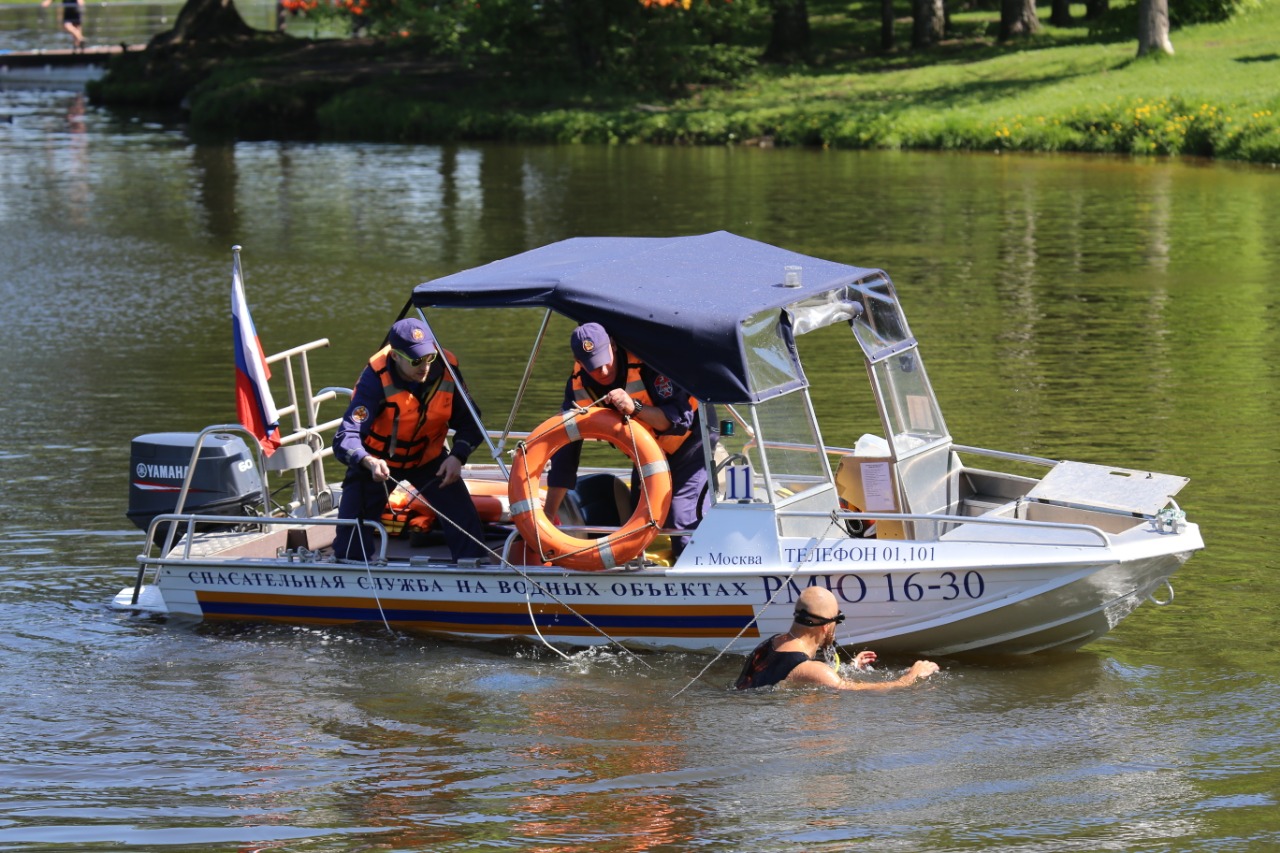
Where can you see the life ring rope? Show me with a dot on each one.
(603, 424)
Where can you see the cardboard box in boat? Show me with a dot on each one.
(868, 484)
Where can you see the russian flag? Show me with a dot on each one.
(254, 406)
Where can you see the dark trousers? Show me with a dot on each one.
(690, 497)
(363, 498)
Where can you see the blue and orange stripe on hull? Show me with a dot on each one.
(490, 618)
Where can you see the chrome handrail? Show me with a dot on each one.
(191, 520)
(951, 519)
(1003, 454)
(191, 471)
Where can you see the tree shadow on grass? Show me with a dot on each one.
(846, 36)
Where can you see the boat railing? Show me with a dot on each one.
(188, 522)
(957, 520)
(310, 461)
(183, 492)
(1005, 455)
(834, 451)
(302, 412)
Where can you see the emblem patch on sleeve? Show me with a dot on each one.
(664, 387)
(360, 415)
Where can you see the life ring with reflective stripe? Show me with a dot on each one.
(628, 542)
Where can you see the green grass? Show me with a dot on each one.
(1063, 90)
(1217, 96)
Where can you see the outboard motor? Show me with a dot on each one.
(226, 480)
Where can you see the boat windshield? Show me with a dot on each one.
(783, 422)
(769, 361)
(881, 326)
(768, 336)
(774, 445)
(910, 410)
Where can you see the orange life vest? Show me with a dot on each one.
(409, 431)
(635, 388)
(408, 512)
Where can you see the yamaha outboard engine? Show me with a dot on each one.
(226, 480)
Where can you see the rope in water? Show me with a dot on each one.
(533, 584)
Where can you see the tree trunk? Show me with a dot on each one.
(1061, 14)
(1095, 9)
(1153, 27)
(789, 37)
(589, 28)
(928, 23)
(886, 25)
(204, 20)
(1018, 19)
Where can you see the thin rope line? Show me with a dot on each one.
(528, 603)
(364, 553)
(418, 496)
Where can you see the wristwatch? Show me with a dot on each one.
(638, 407)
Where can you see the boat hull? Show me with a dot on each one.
(917, 598)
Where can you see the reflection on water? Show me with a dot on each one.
(1097, 309)
(31, 27)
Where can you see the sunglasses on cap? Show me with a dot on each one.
(417, 362)
(804, 617)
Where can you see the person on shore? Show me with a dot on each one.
(796, 657)
(71, 21)
(401, 411)
(606, 374)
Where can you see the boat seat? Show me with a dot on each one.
(290, 457)
(603, 500)
(296, 458)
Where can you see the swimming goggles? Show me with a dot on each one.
(804, 617)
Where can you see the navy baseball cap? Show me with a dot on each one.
(591, 347)
(411, 337)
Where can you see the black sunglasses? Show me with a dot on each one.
(415, 362)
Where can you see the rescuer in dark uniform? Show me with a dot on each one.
(401, 411)
(606, 374)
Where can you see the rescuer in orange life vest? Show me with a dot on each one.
(607, 375)
(401, 411)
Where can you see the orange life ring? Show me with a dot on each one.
(616, 549)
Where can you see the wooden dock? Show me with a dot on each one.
(97, 54)
(57, 66)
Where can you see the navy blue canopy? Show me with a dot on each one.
(679, 303)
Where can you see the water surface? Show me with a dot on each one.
(1105, 310)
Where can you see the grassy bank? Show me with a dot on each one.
(1063, 91)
